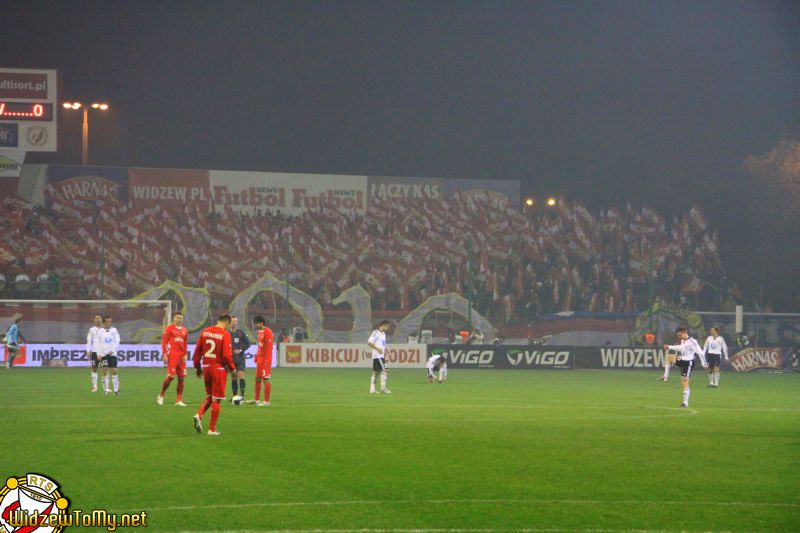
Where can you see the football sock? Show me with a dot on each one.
(241, 386)
(686, 396)
(94, 380)
(214, 416)
(115, 381)
(666, 371)
(372, 382)
(180, 389)
(383, 380)
(258, 390)
(711, 378)
(267, 390)
(204, 407)
(716, 379)
(105, 382)
(165, 385)
(235, 386)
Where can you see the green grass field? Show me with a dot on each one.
(489, 450)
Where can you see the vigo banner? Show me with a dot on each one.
(506, 357)
(33, 355)
(323, 355)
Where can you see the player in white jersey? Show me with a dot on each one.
(91, 347)
(686, 350)
(107, 345)
(377, 341)
(714, 349)
(436, 363)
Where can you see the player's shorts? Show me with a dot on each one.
(263, 370)
(430, 370)
(240, 361)
(176, 366)
(93, 359)
(110, 361)
(686, 367)
(379, 365)
(216, 380)
(714, 359)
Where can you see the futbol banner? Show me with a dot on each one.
(321, 355)
(32, 355)
(506, 357)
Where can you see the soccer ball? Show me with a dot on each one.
(238, 400)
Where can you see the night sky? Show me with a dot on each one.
(606, 102)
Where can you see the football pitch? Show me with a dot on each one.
(488, 450)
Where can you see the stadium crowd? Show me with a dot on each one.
(515, 267)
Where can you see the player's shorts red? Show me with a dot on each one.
(264, 369)
(216, 379)
(176, 365)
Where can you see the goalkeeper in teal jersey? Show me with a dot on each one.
(12, 342)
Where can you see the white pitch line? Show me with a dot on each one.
(465, 501)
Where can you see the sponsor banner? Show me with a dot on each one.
(23, 85)
(168, 188)
(9, 135)
(291, 194)
(89, 184)
(127, 355)
(322, 355)
(437, 188)
(506, 357)
(11, 163)
(619, 357)
(758, 359)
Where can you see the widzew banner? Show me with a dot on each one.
(32, 355)
(626, 358)
(320, 355)
(506, 357)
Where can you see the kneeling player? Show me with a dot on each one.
(437, 363)
(215, 354)
(263, 362)
(173, 349)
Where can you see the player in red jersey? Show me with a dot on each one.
(174, 349)
(214, 352)
(263, 361)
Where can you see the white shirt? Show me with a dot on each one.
(91, 339)
(378, 338)
(435, 359)
(715, 345)
(687, 350)
(107, 341)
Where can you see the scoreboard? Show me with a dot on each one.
(28, 110)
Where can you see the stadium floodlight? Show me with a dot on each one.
(85, 134)
(551, 201)
(529, 201)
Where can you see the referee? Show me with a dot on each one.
(240, 344)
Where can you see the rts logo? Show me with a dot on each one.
(32, 496)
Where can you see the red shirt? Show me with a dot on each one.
(173, 342)
(264, 352)
(214, 348)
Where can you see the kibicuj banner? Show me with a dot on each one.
(32, 355)
(350, 355)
